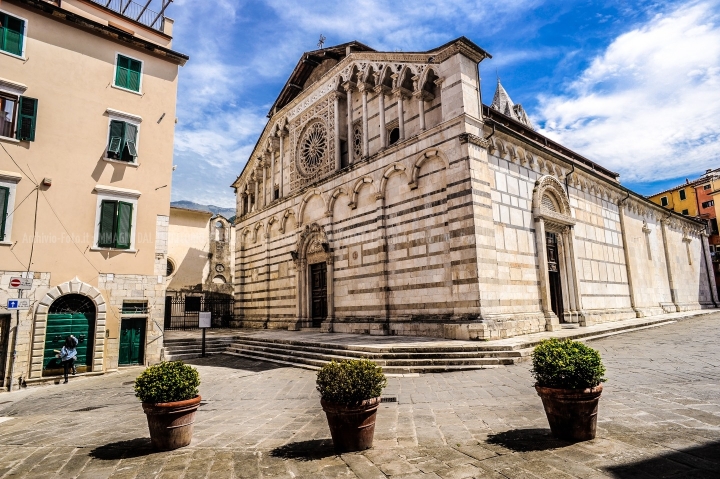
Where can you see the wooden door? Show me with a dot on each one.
(59, 327)
(318, 281)
(132, 340)
(556, 300)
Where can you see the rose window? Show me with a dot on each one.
(313, 146)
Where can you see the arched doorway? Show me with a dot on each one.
(314, 269)
(69, 314)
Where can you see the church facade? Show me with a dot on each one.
(383, 197)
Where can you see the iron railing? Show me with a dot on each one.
(183, 312)
(136, 11)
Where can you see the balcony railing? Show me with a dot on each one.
(138, 12)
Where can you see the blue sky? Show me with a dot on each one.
(634, 86)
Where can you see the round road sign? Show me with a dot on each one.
(15, 282)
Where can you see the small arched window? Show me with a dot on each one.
(219, 231)
(394, 136)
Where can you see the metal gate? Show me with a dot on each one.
(183, 312)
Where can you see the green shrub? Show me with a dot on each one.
(167, 382)
(566, 364)
(351, 381)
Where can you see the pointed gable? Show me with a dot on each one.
(504, 104)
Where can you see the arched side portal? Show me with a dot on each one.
(559, 285)
(95, 343)
(314, 269)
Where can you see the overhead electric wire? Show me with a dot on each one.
(19, 168)
(32, 245)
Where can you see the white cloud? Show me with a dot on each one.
(649, 106)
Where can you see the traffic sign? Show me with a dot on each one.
(20, 283)
(205, 318)
(18, 303)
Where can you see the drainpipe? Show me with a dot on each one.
(567, 188)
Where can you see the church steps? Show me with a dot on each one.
(182, 349)
(328, 349)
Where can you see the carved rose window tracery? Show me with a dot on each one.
(313, 148)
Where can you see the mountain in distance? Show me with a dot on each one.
(218, 210)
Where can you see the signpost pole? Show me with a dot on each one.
(14, 353)
(203, 342)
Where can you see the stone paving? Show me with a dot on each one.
(659, 417)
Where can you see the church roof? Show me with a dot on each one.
(305, 67)
(504, 104)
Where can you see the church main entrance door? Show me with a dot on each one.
(556, 299)
(318, 278)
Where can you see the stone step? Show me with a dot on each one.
(502, 357)
(315, 364)
(192, 341)
(193, 347)
(194, 355)
(318, 359)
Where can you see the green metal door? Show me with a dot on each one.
(132, 340)
(59, 327)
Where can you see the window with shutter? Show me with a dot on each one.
(4, 198)
(124, 225)
(130, 149)
(108, 221)
(127, 73)
(27, 118)
(12, 32)
(116, 142)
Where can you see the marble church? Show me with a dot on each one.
(383, 197)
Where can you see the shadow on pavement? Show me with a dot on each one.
(138, 447)
(234, 362)
(305, 450)
(696, 462)
(526, 440)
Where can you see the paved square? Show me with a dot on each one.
(659, 417)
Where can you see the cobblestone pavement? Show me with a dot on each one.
(659, 417)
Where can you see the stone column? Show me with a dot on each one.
(575, 280)
(626, 253)
(272, 173)
(301, 285)
(336, 107)
(421, 97)
(385, 284)
(709, 267)
(363, 87)
(381, 90)
(264, 184)
(401, 118)
(349, 86)
(282, 161)
(668, 264)
(552, 322)
(567, 265)
(327, 326)
(257, 195)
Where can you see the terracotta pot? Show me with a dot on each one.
(572, 413)
(351, 427)
(171, 423)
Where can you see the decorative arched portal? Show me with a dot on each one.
(69, 298)
(314, 268)
(559, 286)
(70, 314)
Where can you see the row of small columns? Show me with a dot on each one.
(400, 93)
(275, 143)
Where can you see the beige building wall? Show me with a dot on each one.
(70, 71)
(188, 248)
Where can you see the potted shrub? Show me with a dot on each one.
(350, 395)
(569, 376)
(169, 395)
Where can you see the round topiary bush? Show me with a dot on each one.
(351, 381)
(566, 364)
(167, 382)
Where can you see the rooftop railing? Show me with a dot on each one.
(139, 12)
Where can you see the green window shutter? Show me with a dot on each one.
(122, 71)
(130, 149)
(124, 225)
(117, 138)
(108, 216)
(134, 71)
(27, 118)
(4, 197)
(11, 38)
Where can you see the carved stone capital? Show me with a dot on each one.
(364, 87)
(474, 140)
(382, 90)
(349, 86)
(423, 95)
(401, 93)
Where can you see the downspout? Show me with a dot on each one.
(567, 188)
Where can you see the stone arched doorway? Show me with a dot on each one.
(69, 314)
(559, 286)
(314, 268)
(67, 298)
